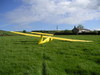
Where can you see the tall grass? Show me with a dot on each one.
(21, 55)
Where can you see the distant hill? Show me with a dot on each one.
(6, 33)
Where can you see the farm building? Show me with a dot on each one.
(80, 30)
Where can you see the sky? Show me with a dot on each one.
(16, 15)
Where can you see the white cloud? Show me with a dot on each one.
(55, 11)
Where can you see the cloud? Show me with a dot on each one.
(55, 11)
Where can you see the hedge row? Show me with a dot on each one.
(69, 32)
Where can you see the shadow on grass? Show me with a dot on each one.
(26, 42)
(79, 71)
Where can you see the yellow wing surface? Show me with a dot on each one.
(57, 38)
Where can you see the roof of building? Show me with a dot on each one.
(81, 28)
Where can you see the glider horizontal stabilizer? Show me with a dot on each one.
(42, 33)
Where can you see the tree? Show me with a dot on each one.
(80, 26)
(24, 31)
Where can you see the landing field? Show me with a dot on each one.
(21, 55)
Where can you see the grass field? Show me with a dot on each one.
(21, 55)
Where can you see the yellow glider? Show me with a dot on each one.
(49, 38)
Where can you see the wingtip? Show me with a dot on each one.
(11, 31)
(89, 41)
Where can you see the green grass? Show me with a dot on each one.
(21, 55)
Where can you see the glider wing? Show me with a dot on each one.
(42, 33)
(57, 38)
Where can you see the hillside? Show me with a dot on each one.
(6, 33)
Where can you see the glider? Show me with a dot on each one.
(49, 37)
